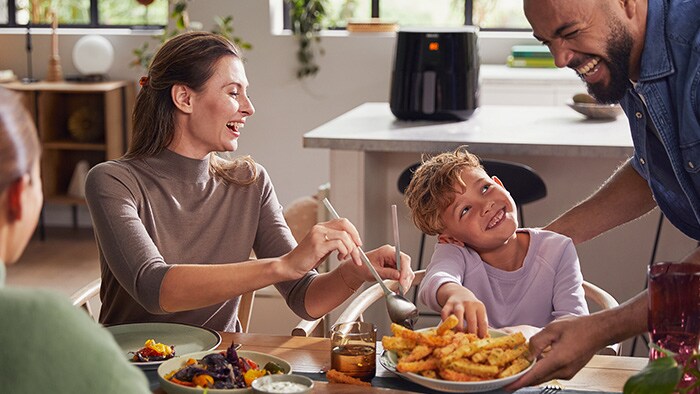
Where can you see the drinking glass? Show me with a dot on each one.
(674, 310)
(354, 349)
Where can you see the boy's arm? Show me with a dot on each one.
(444, 278)
(569, 296)
(459, 301)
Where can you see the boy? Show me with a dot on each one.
(486, 270)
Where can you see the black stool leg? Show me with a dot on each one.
(42, 225)
(651, 261)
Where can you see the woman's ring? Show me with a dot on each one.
(326, 237)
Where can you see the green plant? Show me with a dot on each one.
(181, 22)
(307, 18)
(661, 376)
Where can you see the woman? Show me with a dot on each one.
(176, 224)
(48, 346)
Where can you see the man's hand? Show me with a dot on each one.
(565, 345)
(563, 348)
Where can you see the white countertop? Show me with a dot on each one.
(502, 74)
(512, 130)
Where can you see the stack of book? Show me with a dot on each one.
(530, 56)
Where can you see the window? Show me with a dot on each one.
(487, 14)
(85, 13)
(3, 13)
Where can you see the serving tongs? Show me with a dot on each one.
(401, 311)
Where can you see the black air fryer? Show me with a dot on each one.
(436, 74)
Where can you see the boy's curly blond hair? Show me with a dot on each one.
(433, 186)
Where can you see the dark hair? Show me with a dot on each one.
(19, 145)
(432, 188)
(187, 59)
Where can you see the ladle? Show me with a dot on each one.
(401, 311)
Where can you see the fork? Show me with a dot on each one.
(551, 388)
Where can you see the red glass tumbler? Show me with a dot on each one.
(674, 309)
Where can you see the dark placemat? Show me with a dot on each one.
(397, 383)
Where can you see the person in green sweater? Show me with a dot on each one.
(48, 345)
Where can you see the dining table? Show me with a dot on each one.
(310, 356)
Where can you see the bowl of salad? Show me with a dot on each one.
(226, 371)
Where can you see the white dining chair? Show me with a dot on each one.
(90, 293)
(594, 296)
(602, 300)
(83, 296)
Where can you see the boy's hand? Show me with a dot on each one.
(462, 303)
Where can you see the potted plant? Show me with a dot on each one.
(663, 375)
(307, 18)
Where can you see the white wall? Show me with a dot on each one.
(355, 69)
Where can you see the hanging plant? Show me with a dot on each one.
(181, 23)
(307, 22)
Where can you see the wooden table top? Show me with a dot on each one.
(310, 355)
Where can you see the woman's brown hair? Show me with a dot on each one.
(19, 145)
(187, 59)
(433, 187)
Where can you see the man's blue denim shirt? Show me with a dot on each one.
(669, 84)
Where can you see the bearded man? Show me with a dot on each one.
(644, 54)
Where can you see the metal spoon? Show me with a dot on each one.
(401, 311)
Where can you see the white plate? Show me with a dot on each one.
(178, 362)
(388, 359)
(185, 338)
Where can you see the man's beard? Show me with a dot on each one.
(619, 49)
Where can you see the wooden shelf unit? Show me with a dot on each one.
(52, 104)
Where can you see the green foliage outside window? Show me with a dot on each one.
(132, 12)
(38, 12)
(77, 12)
(180, 23)
(308, 17)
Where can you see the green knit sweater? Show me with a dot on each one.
(49, 346)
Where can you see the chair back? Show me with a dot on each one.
(83, 296)
(245, 309)
(356, 308)
(603, 300)
(521, 181)
(91, 291)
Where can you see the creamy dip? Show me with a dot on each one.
(283, 387)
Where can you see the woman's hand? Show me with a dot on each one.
(337, 235)
(383, 259)
(461, 302)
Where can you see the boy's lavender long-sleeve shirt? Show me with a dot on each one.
(546, 287)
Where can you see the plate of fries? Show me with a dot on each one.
(455, 362)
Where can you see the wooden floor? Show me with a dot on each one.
(65, 261)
